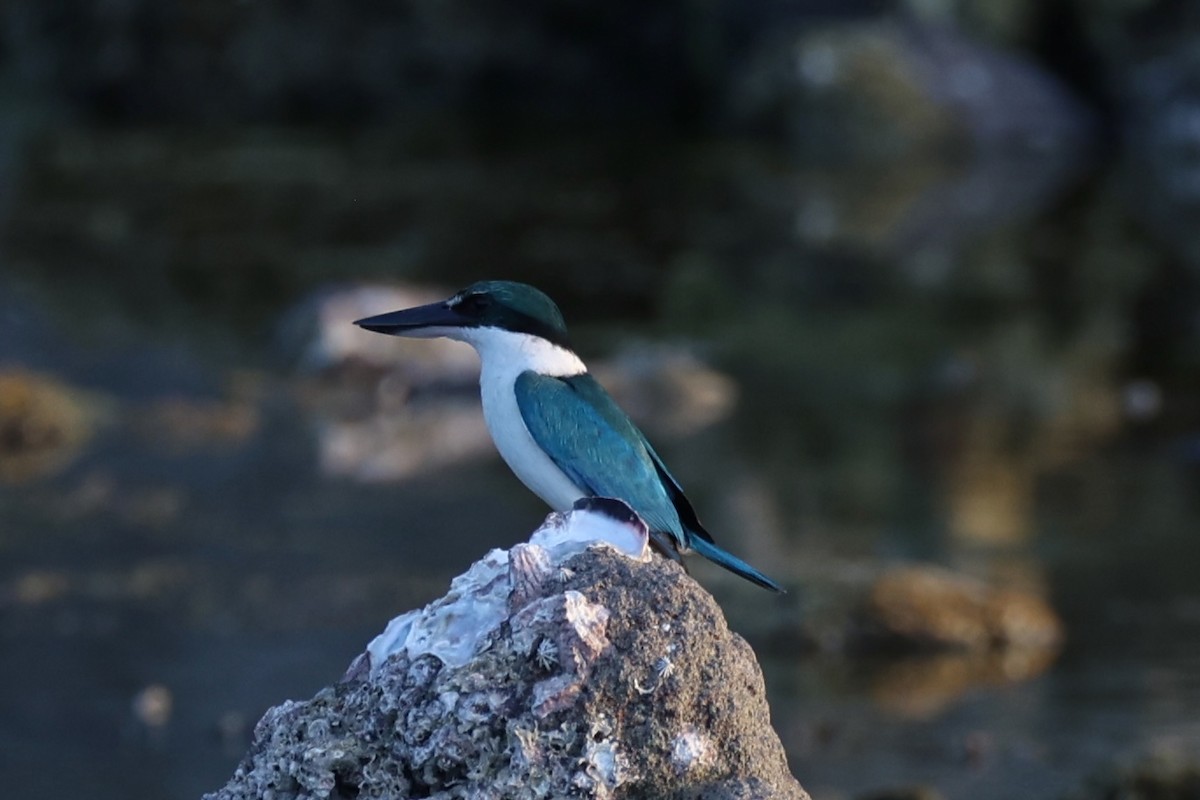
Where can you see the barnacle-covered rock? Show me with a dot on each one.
(572, 666)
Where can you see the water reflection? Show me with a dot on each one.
(923, 688)
(220, 497)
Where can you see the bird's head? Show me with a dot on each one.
(501, 305)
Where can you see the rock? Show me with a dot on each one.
(397, 444)
(559, 668)
(927, 608)
(44, 424)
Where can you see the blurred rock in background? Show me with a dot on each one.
(44, 424)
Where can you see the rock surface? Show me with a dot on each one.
(587, 674)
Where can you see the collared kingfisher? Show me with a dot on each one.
(554, 425)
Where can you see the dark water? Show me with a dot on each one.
(989, 366)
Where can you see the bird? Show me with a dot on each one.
(555, 426)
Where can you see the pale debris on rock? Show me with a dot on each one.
(605, 763)
(691, 749)
(455, 627)
(594, 519)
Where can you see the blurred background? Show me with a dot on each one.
(907, 292)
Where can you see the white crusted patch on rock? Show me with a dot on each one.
(452, 627)
(691, 749)
(455, 627)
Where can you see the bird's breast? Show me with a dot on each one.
(519, 450)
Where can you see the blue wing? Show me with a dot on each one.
(590, 439)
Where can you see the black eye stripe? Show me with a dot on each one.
(485, 310)
(474, 302)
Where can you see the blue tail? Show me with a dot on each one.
(732, 563)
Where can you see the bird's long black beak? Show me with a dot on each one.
(410, 320)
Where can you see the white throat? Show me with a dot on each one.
(504, 355)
